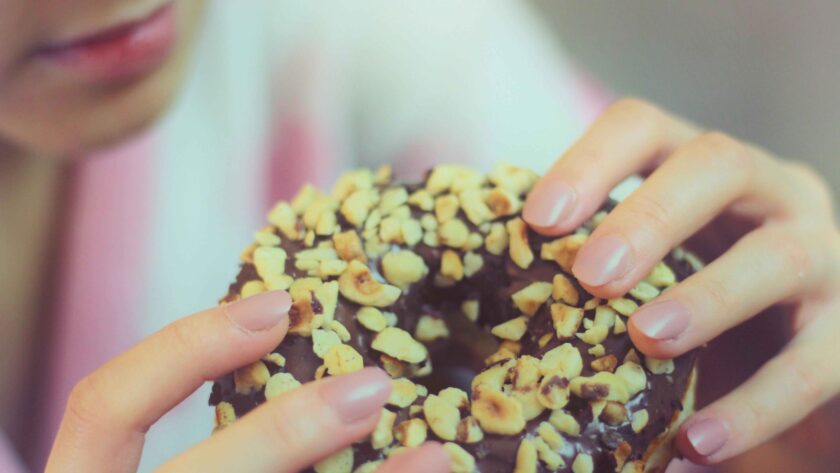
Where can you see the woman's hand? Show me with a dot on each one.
(110, 411)
(785, 248)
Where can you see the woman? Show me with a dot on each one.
(279, 94)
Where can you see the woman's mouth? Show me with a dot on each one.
(122, 52)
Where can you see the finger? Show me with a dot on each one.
(629, 135)
(781, 261)
(296, 429)
(427, 458)
(698, 182)
(109, 411)
(778, 396)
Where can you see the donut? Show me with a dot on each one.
(494, 348)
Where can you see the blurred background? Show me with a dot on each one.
(764, 70)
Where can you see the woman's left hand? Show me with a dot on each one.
(788, 252)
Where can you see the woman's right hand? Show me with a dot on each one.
(110, 410)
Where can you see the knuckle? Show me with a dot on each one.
(723, 150)
(183, 336)
(644, 211)
(806, 378)
(86, 406)
(716, 295)
(284, 430)
(791, 251)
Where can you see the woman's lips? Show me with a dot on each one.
(126, 51)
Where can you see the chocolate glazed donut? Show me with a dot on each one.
(494, 348)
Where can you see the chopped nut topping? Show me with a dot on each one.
(412, 231)
(474, 207)
(327, 295)
(371, 318)
(411, 433)
(267, 237)
(497, 239)
(552, 459)
(526, 457)
(391, 199)
(469, 431)
(605, 316)
(348, 246)
(343, 359)
(637, 466)
(502, 202)
(563, 251)
(251, 288)
(657, 366)
(394, 367)
(251, 377)
(605, 363)
(280, 383)
(543, 341)
(597, 350)
(270, 263)
(357, 206)
(451, 266)
(403, 392)
(515, 179)
(470, 310)
(460, 460)
(531, 297)
(225, 415)
(446, 207)
(644, 291)
(595, 335)
(422, 200)
(564, 291)
(583, 463)
(404, 267)
(399, 344)
(383, 175)
(430, 329)
(623, 306)
(323, 340)
(358, 285)
(513, 329)
(633, 357)
(620, 327)
(368, 467)
(550, 436)
(453, 233)
(639, 420)
(352, 181)
(565, 423)
(341, 462)
(455, 397)
(554, 391)
(492, 378)
(283, 217)
(339, 330)
(428, 222)
(331, 268)
(473, 262)
(621, 454)
(275, 358)
(661, 276)
(564, 358)
(634, 377)
(600, 386)
(566, 319)
(497, 413)
(383, 434)
(520, 252)
(526, 373)
(390, 230)
(614, 413)
(442, 417)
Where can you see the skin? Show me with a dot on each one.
(789, 243)
(48, 118)
(776, 243)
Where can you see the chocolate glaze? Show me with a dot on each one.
(457, 359)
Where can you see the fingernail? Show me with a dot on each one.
(549, 204)
(707, 436)
(602, 260)
(663, 320)
(358, 395)
(261, 311)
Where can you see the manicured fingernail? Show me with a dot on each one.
(662, 320)
(602, 260)
(261, 311)
(707, 436)
(358, 395)
(549, 204)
